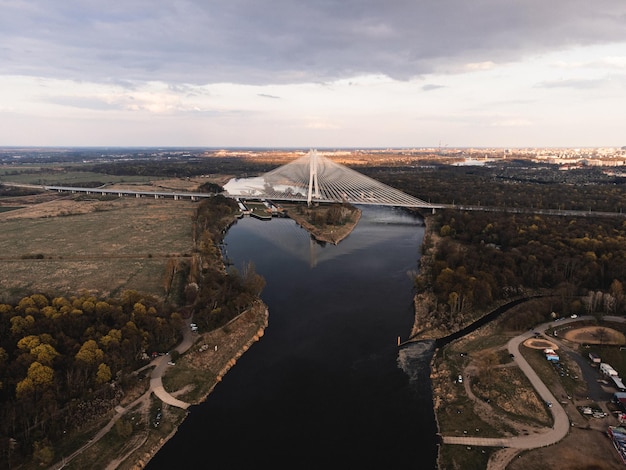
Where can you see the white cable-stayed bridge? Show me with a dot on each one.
(315, 178)
(311, 178)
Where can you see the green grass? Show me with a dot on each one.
(480, 342)
(175, 417)
(505, 389)
(72, 442)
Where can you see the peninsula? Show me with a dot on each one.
(329, 223)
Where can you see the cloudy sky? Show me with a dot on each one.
(313, 73)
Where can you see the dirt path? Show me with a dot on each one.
(541, 437)
(533, 440)
(156, 386)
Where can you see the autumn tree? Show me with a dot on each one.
(39, 378)
(617, 291)
(104, 374)
(89, 353)
(43, 453)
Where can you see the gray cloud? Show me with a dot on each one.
(288, 41)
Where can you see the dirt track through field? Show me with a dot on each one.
(596, 335)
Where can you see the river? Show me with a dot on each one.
(327, 383)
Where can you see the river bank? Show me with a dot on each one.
(427, 325)
(480, 394)
(214, 353)
(314, 373)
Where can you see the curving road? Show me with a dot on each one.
(156, 382)
(561, 424)
(156, 387)
(561, 421)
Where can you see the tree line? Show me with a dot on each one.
(510, 184)
(181, 168)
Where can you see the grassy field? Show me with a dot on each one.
(55, 176)
(65, 246)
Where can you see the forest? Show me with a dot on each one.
(65, 359)
(485, 257)
(514, 184)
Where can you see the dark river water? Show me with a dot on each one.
(327, 383)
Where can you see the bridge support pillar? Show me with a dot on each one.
(313, 177)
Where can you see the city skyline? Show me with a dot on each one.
(308, 74)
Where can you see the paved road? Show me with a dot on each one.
(561, 422)
(156, 383)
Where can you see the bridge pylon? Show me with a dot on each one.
(312, 177)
